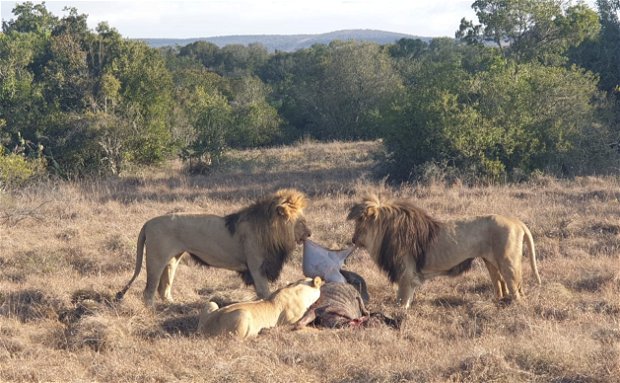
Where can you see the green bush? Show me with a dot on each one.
(502, 123)
(211, 126)
(16, 169)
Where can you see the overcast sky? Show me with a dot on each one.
(183, 19)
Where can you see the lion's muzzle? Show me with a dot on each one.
(305, 236)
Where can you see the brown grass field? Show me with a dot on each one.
(67, 247)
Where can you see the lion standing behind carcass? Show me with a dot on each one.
(255, 241)
(411, 246)
(246, 319)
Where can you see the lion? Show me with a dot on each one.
(255, 241)
(246, 319)
(411, 246)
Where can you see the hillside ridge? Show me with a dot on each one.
(289, 43)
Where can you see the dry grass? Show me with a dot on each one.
(61, 262)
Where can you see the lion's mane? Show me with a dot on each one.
(405, 230)
(272, 221)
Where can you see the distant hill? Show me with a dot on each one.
(290, 43)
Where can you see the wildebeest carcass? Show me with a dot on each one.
(343, 297)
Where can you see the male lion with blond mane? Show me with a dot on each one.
(285, 306)
(412, 247)
(255, 242)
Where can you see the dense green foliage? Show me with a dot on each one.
(531, 86)
(505, 110)
(339, 91)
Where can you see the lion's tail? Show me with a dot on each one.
(139, 257)
(532, 252)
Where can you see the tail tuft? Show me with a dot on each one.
(119, 296)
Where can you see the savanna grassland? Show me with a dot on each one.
(67, 247)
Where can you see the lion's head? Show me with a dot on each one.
(392, 230)
(277, 224)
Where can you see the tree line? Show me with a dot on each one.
(531, 86)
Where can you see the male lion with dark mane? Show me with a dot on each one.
(255, 241)
(411, 246)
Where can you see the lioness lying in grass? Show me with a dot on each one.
(246, 319)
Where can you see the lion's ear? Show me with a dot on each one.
(360, 210)
(372, 206)
(290, 203)
(369, 208)
(371, 212)
(317, 282)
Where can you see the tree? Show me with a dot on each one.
(333, 92)
(415, 128)
(202, 51)
(202, 117)
(74, 24)
(31, 18)
(67, 85)
(359, 83)
(602, 54)
(146, 102)
(295, 80)
(20, 96)
(502, 123)
(238, 60)
(530, 30)
(231, 60)
(409, 49)
(256, 122)
(548, 116)
(212, 124)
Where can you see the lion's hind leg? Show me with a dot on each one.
(242, 324)
(238, 323)
(510, 272)
(167, 277)
(156, 263)
(507, 252)
(498, 283)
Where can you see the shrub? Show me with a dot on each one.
(509, 120)
(16, 169)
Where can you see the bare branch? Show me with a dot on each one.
(12, 217)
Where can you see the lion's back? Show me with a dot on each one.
(204, 235)
(241, 320)
(183, 222)
(223, 322)
(485, 228)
